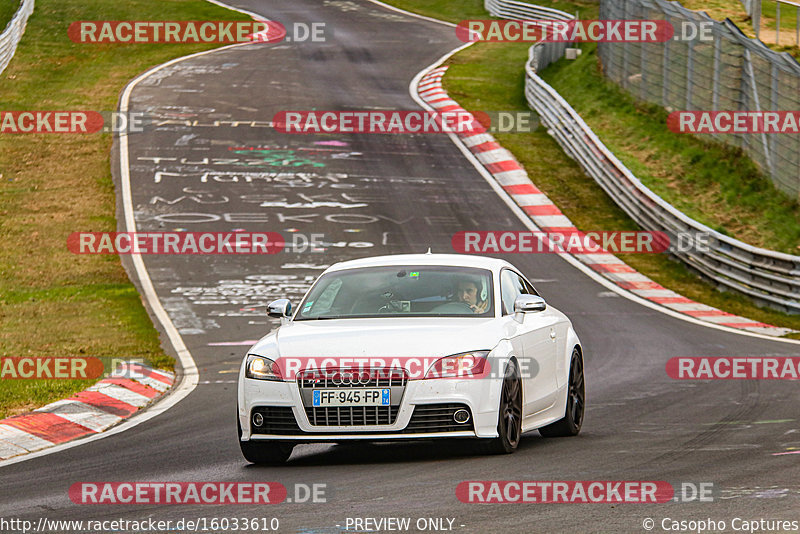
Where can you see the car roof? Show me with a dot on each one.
(453, 260)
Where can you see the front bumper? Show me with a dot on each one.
(479, 396)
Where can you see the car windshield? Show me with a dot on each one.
(407, 291)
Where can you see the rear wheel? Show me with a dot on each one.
(264, 452)
(509, 420)
(570, 425)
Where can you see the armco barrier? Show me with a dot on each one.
(13, 33)
(772, 278)
(541, 54)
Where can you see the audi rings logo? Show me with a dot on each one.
(349, 378)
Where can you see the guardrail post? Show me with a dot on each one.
(689, 73)
(755, 17)
(665, 75)
(715, 88)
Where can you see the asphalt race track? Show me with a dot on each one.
(385, 194)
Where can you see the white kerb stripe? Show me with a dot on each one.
(121, 394)
(9, 450)
(776, 331)
(477, 139)
(552, 221)
(137, 375)
(434, 92)
(599, 259)
(654, 293)
(690, 306)
(153, 383)
(494, 156)
(715, 318)
(626, 277)
(532, 199)
(515, 177)
(165, 374)
(446, 103)
(82, 414)
(22, 439)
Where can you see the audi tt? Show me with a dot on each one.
(416, 346)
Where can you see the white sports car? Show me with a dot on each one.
(412, 347)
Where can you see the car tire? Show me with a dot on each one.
(264, 452)
(509, 416)
(571, 424)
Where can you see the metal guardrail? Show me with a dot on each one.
(545, 53)
(772, 278)
(13, 33)
(510, 9)
(728, 72)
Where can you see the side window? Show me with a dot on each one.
(325, 301)
(511, 286)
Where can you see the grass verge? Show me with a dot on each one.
(7, 10)
(54, 303)
(490, 76)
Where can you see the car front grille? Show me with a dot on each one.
(345, 378)
(352, 416)
(395, 379)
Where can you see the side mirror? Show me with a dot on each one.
(279, 308)
(529, 303)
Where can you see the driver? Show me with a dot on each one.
(468, 291)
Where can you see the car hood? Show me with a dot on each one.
(396, 337)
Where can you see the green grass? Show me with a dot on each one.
(490, 76)
(54, 303)
(7, 10)
(769, 15)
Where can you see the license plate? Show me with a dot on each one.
(351, 397)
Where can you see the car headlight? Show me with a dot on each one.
(262, 368)
(467, 365)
